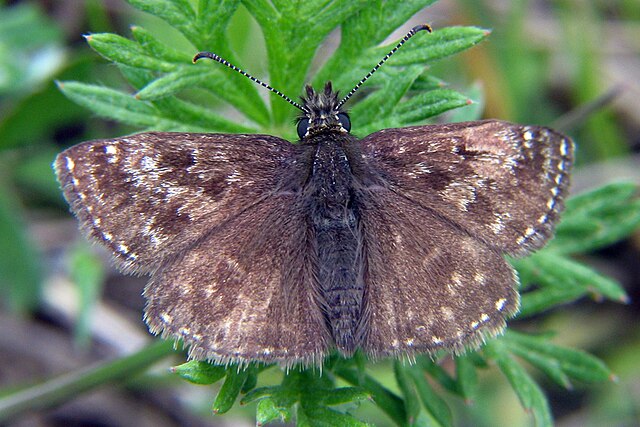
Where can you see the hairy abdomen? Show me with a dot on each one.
(335, 222)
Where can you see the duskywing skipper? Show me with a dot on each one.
(263, 250)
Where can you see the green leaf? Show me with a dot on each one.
(342, 395)
(418, 108)
(177, 13)
(321, 416)
(230, 389)
(386, 400)
(198, 372)
(529, 393)
(598, 218)
(467, 378)
(561, 280)
(268, 410)
(362, 32)
(407, 387)
(170, 83)
(429, 104)
(124, 51)
(434, 404)
(179, 116)
(559, 360)
(382, 102)
(437, 372)
(155, 48)
(440, 44)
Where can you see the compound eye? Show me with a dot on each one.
(345, 122)
(303, 127)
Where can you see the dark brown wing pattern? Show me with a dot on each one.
(150, 195)
(454, 199)
(503, 183)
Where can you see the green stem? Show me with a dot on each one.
(59, 390)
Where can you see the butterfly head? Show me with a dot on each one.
(322, 112)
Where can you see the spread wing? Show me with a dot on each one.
(430, 285)
(150, 195)
(245, 291)
(500, 182)
(450, 201)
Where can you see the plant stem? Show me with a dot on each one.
(58, 390)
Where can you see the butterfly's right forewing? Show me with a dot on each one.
(148, 196)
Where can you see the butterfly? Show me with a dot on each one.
(263, 250)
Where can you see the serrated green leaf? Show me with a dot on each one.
(362, 31)
(212, 19)
(598, 218)
(341, 395)
(170, 83)
(155, 48)
(562, 280)
(550, 366)
(429, 104)
(437, 45)
(267, 410)
(290, 46)
(179, 115)
(124, 51)
(574, 363)
(198, 372)
(529, 393)
(383, 101)
(230, 390)
(418, 108)
(275, 392)
(252, 379)
(177, 13)
(434, 404)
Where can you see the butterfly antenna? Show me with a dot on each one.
(411, 33)
(223, 61)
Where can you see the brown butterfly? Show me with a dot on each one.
(264, 250)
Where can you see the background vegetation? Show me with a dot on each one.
(67, 315)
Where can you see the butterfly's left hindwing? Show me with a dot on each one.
(500, 182)
(246, 291)
(151, 195)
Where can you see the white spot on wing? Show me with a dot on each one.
(70, 164)
(112, 153)
(148, 164)
(500, 304)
